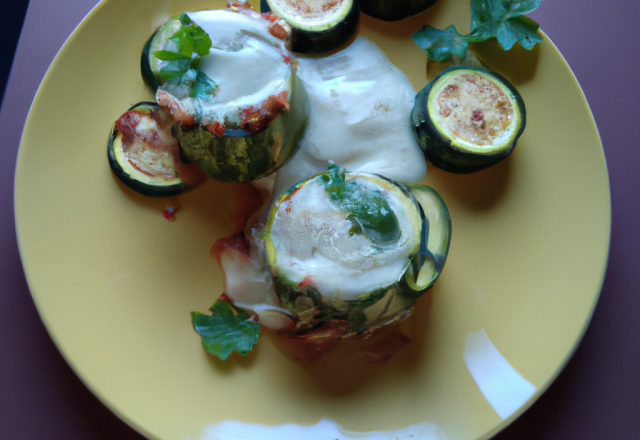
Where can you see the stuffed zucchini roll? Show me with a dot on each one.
(239, 109)
(349, 248)
(468, 119)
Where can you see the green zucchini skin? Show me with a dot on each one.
(440, 151)
(131, 181)
(303, 41)
(394, 10)
(428, 264)
(379, 308)
(240, 156)
(145, 67)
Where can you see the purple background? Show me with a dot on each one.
(597, 395)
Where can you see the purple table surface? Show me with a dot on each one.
(597, 396)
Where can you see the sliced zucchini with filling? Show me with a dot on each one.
(240, 110)
(316, 25)
(145, 156)
(394, 10)
(339, 246)
(468, 119)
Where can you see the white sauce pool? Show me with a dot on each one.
(359, 118)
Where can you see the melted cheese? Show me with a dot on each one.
(312, 238)
(148, 152)
(245, 62)
(359, 118)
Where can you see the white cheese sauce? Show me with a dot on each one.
(312, 238)
(359, 118)
(246, 63)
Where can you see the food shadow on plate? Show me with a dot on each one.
(518, 64)
(479, 191)
(348, 368)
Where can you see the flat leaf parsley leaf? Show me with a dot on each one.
(503, 19)
(227, 329)
(189, 43)
(198, 84)
(202, 86)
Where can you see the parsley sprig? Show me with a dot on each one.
(191, 42)
(502, 19)
(181, 65)
(227, 329)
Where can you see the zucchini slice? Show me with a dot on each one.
(340, 245)
(468, 119)
(317, 25)
(394, 10)
(144, 155)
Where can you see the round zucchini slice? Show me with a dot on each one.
(468, 119)
(145, 156)
(394, 10)
(340, 245)
(317, 25)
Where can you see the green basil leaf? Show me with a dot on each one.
(201, 41)
(195, 63)
(227, 329)
(182, 38)
(166, 55)
(185, 20)
(367, 209)
(503, 19)
(441, 44)
(485, 16)
(519, 29)
(203, 86)
(174, 69)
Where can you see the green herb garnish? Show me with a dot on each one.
(198, 84)
(367, 209)
(191, 42)
(227, 329)
(503, 19)
(180, 66)
(202, 86)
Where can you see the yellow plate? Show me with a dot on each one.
(114, 281)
